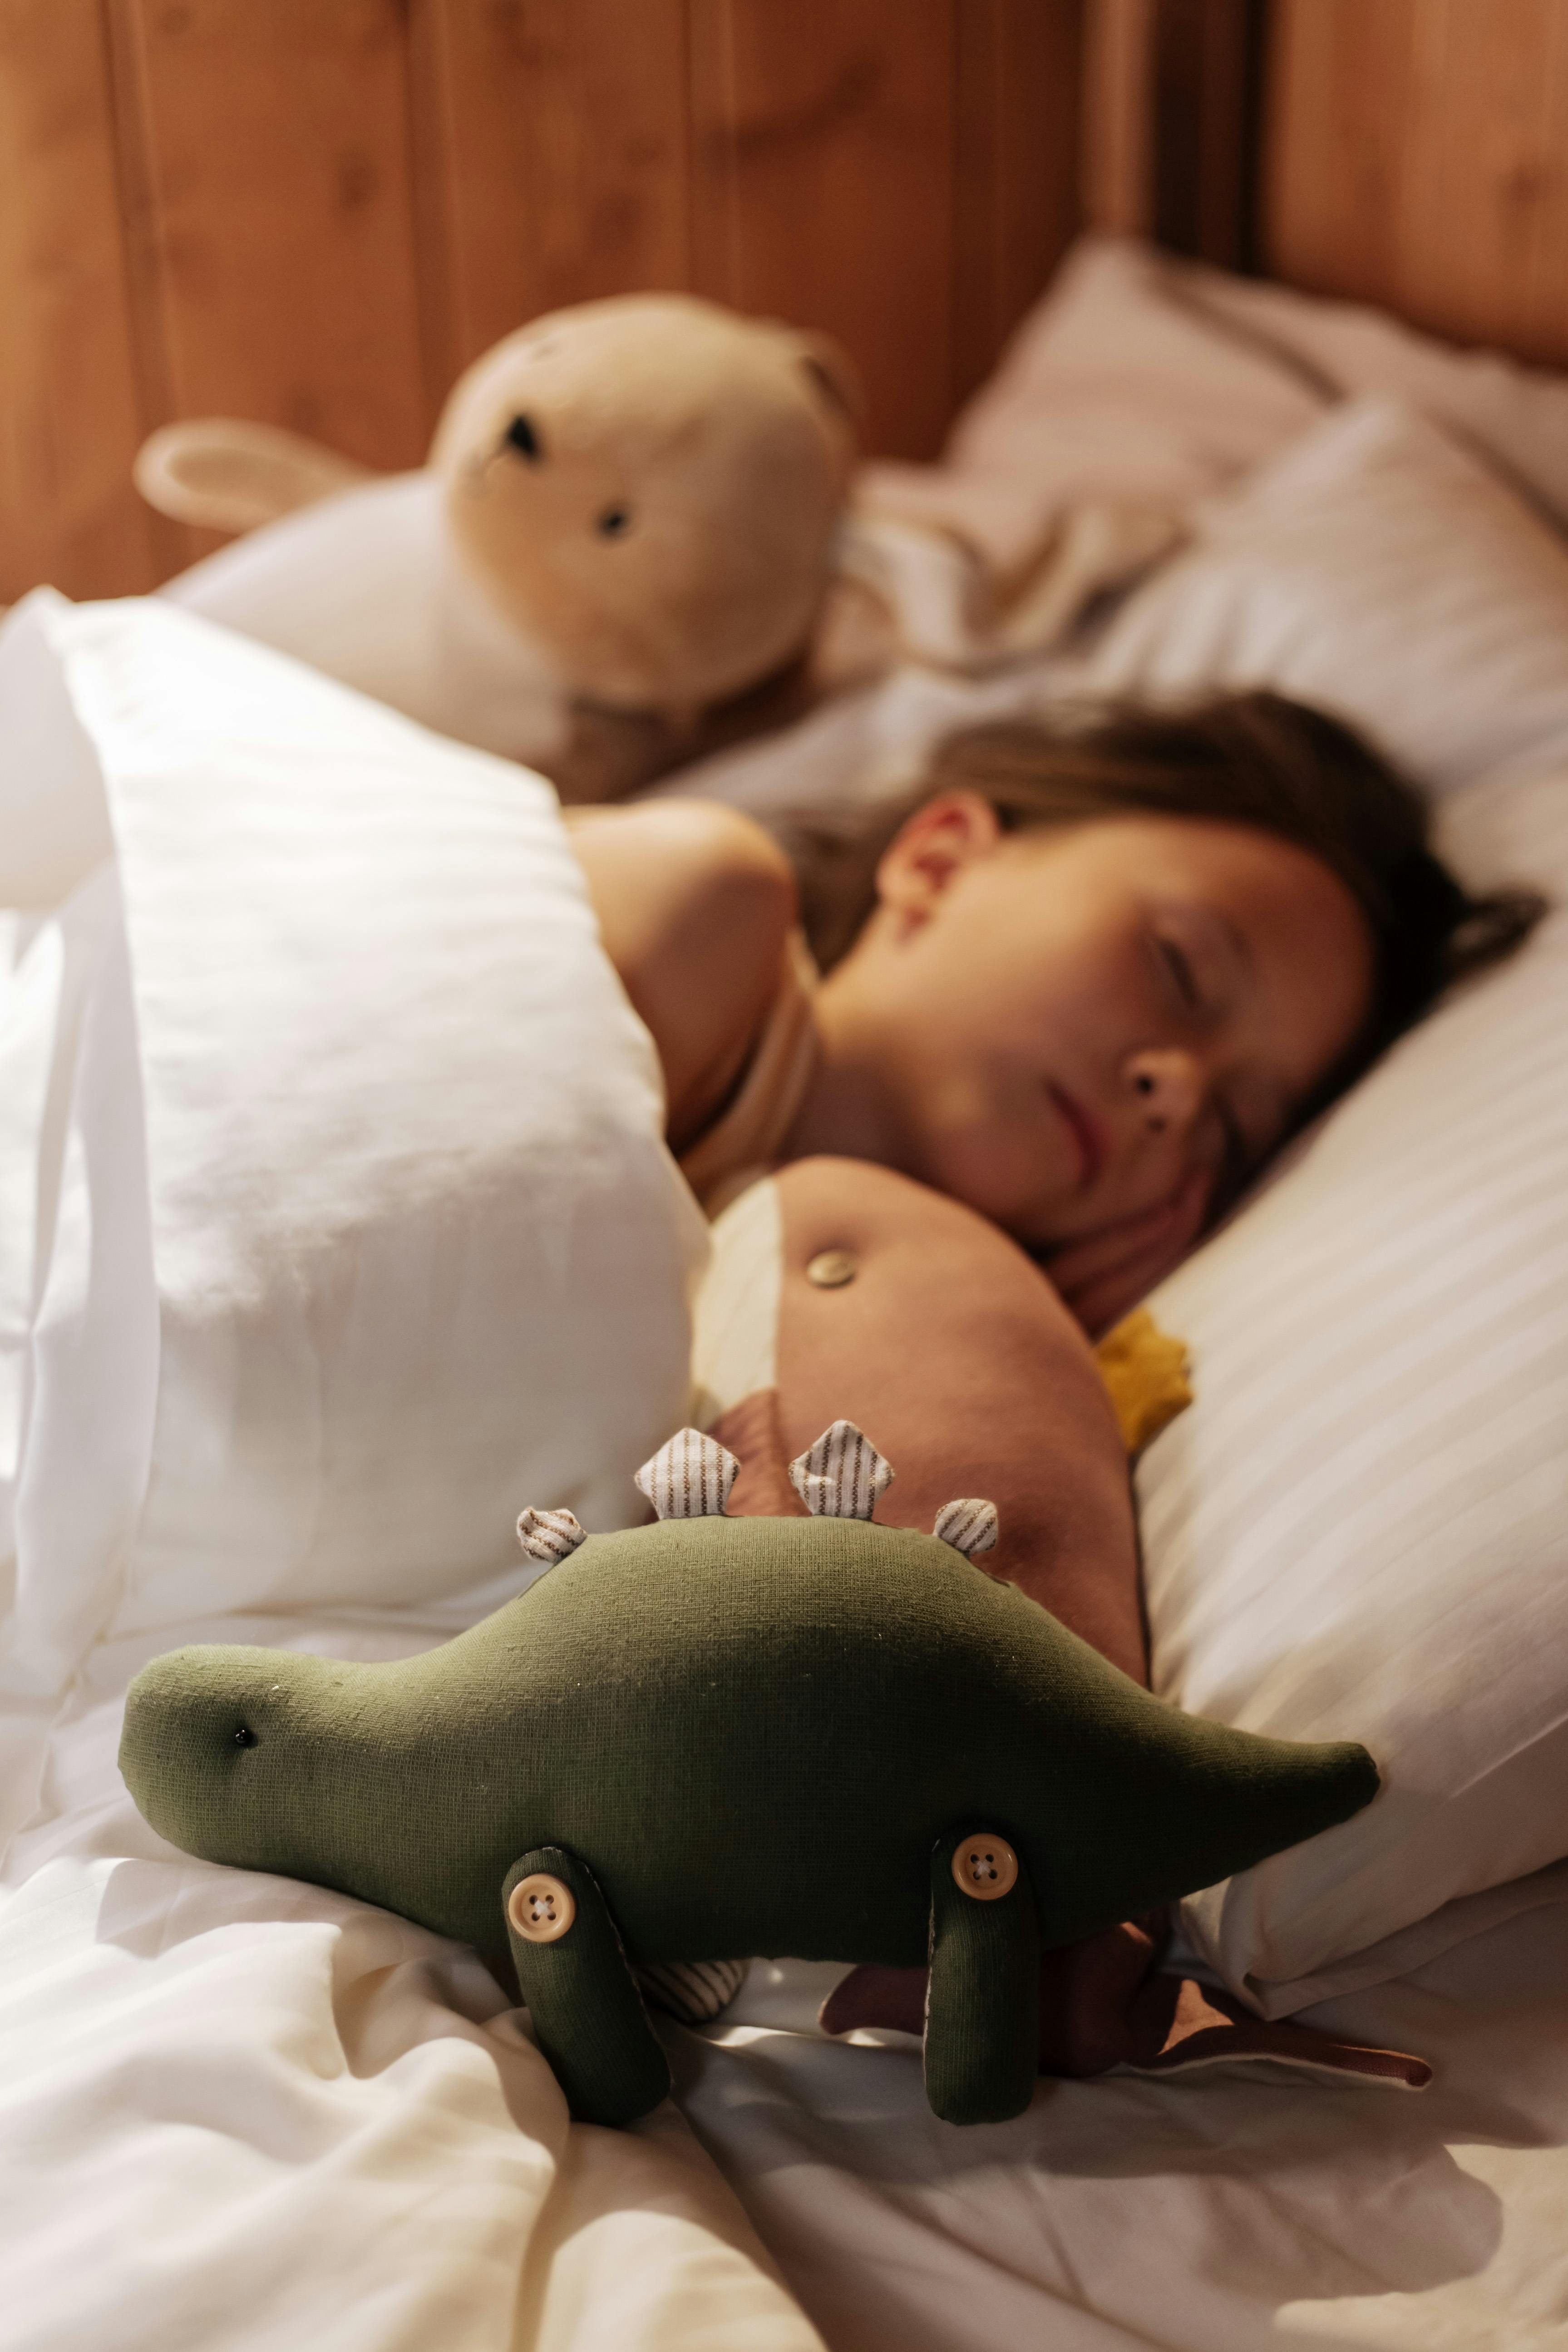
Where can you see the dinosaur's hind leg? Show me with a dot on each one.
(983, 2005)
(581, 1996)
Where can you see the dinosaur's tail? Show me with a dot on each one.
(1174, 1802)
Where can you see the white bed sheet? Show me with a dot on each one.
(1242, 2208)
(238, 2112)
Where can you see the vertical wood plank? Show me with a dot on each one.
(1418, 158)
(69, 424)
(1016, 205)
(1174, 95)
(1486, 199)
(277, 240)
(822, 143)
(1343, 93)
(556, 155)
(1118, 109)
(1207, 98)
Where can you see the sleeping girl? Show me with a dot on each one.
(1085, 982)
(1016, 1043)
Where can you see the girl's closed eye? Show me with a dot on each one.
(1178, 964)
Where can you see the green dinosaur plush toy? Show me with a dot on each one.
(715, 1736)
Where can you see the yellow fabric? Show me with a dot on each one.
(1146, 1372)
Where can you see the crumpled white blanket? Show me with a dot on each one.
(324, 1131)
(240, 2112)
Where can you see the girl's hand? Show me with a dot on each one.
(1103, 1275)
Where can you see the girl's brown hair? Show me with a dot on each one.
(1250, 759)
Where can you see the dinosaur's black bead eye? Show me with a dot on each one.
(614, 521)
(521, 437)
(244, 1736)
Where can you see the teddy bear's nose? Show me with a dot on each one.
(521, 437)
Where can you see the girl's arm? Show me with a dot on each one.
(694, 903)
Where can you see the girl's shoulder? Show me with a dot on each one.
(695, 902)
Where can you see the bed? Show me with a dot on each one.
(239, 2111)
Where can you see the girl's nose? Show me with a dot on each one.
(1168, 1085)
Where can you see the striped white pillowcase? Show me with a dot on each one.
(1361, 1529)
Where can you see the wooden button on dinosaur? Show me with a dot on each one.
(542, 1908)
(984, 1867)
(831, 1269)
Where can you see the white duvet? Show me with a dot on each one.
(335, 1224)
(237, 2111)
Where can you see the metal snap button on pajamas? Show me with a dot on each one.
(831, 1269)
(540, 1907)
(984, 1867)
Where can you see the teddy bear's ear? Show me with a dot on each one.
(690, 1477)
(550, 1536)
(835, 377)
(969, 1525)
(227, 475)
(842, 1476)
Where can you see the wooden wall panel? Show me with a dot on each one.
(272, 224)
(823, 143)
(1417, 157)
(70, 417)
(315, 212)
(1118, 115)
(552, 156)
(1016, 169)
(1172, 118)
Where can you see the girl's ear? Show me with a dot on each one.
(930, 849)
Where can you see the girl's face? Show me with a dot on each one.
(1070, 1027)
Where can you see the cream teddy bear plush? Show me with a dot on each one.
(624, 540)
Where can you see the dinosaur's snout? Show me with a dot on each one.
(199, 1745)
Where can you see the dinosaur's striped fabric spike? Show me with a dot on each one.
(549, 1536)
(690, 1477)
(842, 1476)
(693, 1990)
(969, 1525)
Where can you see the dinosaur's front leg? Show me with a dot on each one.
(982, 2010)
(587, 2011)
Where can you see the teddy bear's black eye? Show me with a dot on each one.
(244, 1736)
(521, 437)
(614, 521)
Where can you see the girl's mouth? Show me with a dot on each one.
(1086, 1133)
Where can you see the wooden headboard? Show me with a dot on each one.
(316, 212)
(1412, 153)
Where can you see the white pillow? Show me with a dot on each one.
(1138, 375)
(1377, 568)
(421, 1257)
(1113, 388)
(1380, 571)
(1360, 1530)
(1517, 416)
